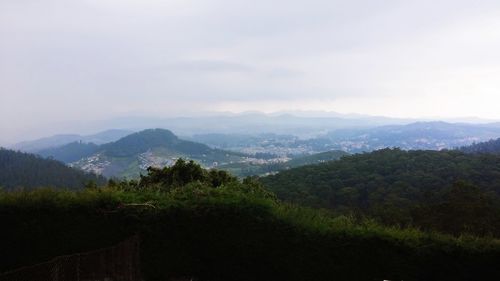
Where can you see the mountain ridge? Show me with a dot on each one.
(63, 139)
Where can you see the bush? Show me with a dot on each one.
(237, 231)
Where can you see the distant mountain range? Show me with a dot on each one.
(58, 140)
(420, 135)
(118, 153)
(303, 124)
(24, 170)
(326, 131)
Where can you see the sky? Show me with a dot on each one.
(95, 59)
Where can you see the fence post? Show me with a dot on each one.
(55, 270)
(78, 267)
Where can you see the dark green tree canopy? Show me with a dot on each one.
(182, 173)
(24, 170)
(450, 191)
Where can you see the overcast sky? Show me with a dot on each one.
(95, 59)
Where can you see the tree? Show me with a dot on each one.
(182, 173)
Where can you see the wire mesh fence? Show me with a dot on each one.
(117, 263)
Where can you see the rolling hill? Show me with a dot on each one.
(18, 169)
(461, 191)
(406, 174)
(133, 154)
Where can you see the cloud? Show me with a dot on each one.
(91, 59)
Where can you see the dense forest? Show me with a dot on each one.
(461, 191)
(491, 146)
(208, 225)
(25, 170)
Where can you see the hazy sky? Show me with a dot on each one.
(94, 59)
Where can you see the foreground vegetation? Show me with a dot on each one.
(209, 225)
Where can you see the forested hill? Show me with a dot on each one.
(130, 156)
(18, 169)
(401, 187)
(492, 146)
(152, 138)
(70, 152)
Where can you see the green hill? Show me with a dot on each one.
(132, 155)
(402, 187)
(25, 170)
(142, 141)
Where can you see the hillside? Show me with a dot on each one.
(132, 155)
(315, 158)
(491, 146)
(25, 170)
(234, 232)
(152, 138)
(401, 186)
(70, 152)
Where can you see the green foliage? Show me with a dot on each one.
(207, 224)
(139, 142)
(315, 158)
(23, 170)
(182, 173)
(234, 232)
(491, 146)
(463, 208)
(400, 187)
